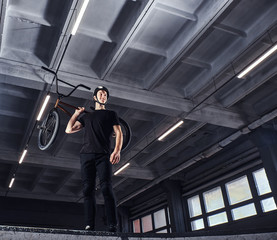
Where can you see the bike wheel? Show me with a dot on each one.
(48, 131)
(127, 134)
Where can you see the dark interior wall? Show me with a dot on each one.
(47, 214)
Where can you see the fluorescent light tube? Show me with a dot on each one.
(120, 169)
(11, 183)
(258, 61)
(23, 156)
(79, 18)
(43, 107)
(170, 130)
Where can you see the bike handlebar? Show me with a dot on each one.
(84, 86)
(57, 90)
(48, 70)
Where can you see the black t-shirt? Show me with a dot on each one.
(98, 126)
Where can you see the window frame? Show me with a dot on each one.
(256, 200)
(167, 226)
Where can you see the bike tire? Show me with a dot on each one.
(126, 132)
(49, 130)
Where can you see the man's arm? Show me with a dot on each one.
(115, 156)
(73, 125)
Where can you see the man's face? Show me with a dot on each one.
(102, 96)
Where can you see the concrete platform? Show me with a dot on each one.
(30, 233)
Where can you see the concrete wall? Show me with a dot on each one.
(49, 214)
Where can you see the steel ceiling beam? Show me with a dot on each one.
(136, 98)
(232, 95)
(65, 163)
(232, 52)
(125, 43)
(206, 16)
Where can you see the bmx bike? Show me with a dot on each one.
(49, 128)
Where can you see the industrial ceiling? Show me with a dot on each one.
(163, 61)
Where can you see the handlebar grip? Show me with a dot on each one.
(84, 86)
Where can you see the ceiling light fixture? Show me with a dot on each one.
(43, 107)
(23, 156)
(171, 130)
(258, 61)
(79, 18)
(120, 169)
(11, 183)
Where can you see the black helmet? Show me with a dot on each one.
(101, 88)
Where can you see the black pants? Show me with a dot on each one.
(90, 164)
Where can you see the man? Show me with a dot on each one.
(95, 155)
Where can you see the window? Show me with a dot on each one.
(244, 211)
(238, 190)
(136, 226)
(217, 219)
(147, 223)
(159, 219)
(197, 224)
(213, 199)
(209, 208)
(268, 204)
(157, 222)
(263, 187)
(261, 182)
(194, 206)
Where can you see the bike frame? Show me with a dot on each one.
(57, 105)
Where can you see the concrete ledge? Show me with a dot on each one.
(32, 233)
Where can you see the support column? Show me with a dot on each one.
(266, 142)
(123, 217)
(175, 204)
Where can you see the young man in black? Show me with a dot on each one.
(95, 155)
